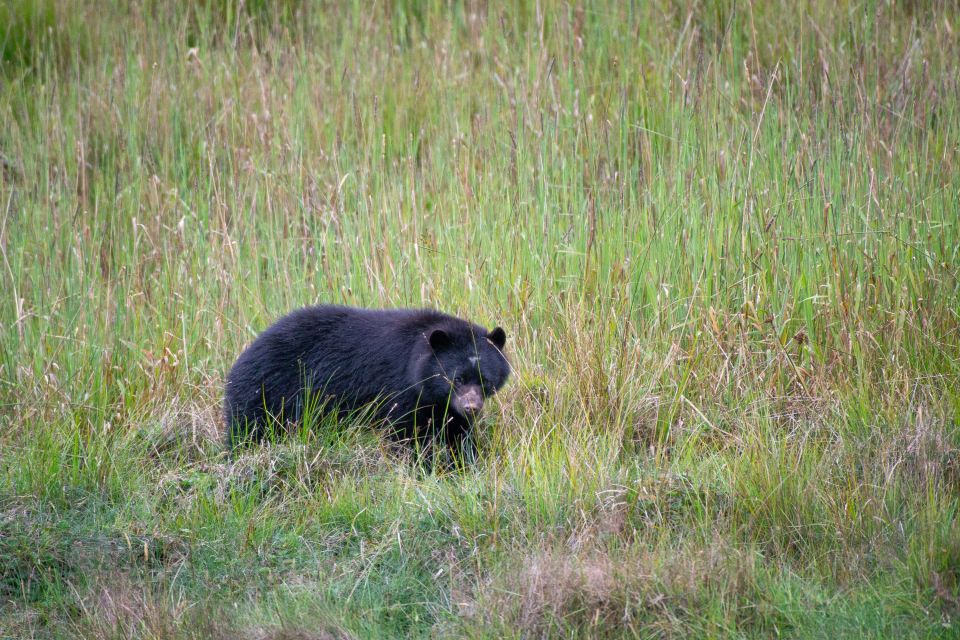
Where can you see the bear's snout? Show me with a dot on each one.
(468, 401)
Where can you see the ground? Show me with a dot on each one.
(722, 238)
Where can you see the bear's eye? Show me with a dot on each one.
(458, 380)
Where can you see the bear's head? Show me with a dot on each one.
(460, 367)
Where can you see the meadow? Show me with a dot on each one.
(723, 238)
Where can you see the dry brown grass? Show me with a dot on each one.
(598, 591)
(121, 606)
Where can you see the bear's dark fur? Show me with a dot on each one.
(422, 372)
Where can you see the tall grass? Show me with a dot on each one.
(723, 237)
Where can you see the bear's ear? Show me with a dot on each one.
(438, 339)
(498, 337)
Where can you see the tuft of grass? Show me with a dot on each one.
(722, 236)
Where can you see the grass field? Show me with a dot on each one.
(723, 238)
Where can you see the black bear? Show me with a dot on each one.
(424, 373)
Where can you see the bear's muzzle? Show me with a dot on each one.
(468, 401)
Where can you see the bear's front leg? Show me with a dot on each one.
(460, 443)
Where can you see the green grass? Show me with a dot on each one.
(723, 237)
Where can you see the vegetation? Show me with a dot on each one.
(723, 238)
